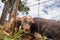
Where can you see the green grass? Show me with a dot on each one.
(4, 37)
(16, 35)
(10, 37)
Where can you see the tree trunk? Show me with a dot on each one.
(11, 2)
(4, 14)
(7, 7)
(14, 12)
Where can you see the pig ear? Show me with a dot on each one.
(22, 20)
(32, 21)
(18, 18)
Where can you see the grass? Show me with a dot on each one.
(16, 35)
(5, 37)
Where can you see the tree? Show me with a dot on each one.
(18, 4)
(14, 12)
(21, 7)
(9, 5)
(4, 14)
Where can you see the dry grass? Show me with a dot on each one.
(4, 35)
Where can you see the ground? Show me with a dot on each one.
(7, 36)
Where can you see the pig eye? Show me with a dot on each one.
(25, 21)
